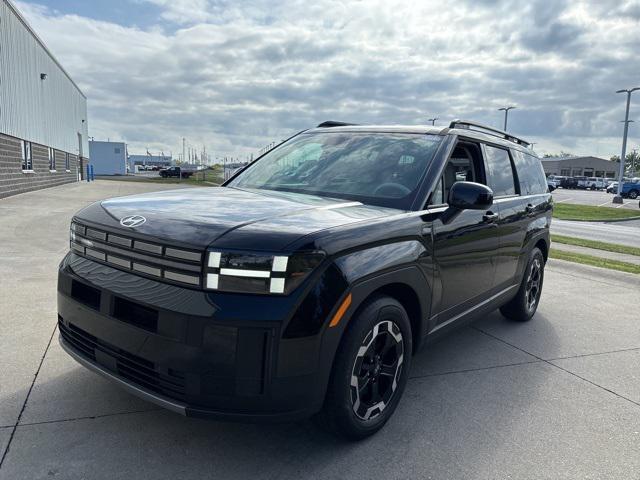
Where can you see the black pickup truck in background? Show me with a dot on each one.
(175, 172)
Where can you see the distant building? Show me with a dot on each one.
(580, 166)
(43, 113)
(108, 158)
(157, 160)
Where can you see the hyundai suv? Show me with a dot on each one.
(307, 282)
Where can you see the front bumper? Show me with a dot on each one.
(177, 348)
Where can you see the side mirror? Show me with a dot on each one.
(467, 196)
(470, 196)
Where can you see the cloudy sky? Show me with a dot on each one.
(236, 75)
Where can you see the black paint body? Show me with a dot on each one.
(253, 357)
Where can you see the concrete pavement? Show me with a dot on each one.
(621, 257)
(624, 233)
(557, 397)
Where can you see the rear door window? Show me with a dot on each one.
(530, 173)
(499, 171)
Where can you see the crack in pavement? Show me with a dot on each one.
(630, 349)
(26, 399)
(90, 417)
(548, 362)
(478, 369)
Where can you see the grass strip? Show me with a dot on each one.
(595, 261)
(608, 247)
(570, 211)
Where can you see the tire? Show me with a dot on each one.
(524, 305)
(633, 194)
(354, 411)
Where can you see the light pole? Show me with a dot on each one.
(629, 91)
(506, 115)
(432, 120)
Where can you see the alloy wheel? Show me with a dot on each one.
(534, 280)
(376, 370)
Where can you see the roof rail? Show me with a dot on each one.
(333, 123)
(478, 127)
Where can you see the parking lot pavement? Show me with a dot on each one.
(557, 397)
(595, 198)
(34, 231)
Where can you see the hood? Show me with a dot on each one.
(228, 217)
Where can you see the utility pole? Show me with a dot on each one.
(432, 120)
(629, 91)
(506, 115)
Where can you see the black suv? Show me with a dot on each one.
(175, 172)
(308, 281)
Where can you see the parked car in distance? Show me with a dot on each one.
(551, 185)
(595, 183)
(308, 281)
(554, 180)
(175, 172)
(630, 189)
(569, 183)
(612, 187)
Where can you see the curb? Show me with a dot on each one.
(613, 220)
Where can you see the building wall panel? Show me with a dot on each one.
(13, 180)
(48, 112)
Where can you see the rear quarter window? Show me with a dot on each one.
(530, 173)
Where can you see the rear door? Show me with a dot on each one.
(512, 208)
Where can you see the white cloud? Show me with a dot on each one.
(237, 75)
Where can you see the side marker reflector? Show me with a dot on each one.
(341, 311)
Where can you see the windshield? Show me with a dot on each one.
(376, 168)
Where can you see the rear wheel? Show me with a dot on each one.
(522, 307)
(633, 194)
(370, 370)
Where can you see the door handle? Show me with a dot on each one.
(529, 208)
(490, 217)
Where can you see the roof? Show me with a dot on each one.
(33, 33)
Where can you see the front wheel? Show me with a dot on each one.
(370, 370)
(633, 194)
(522, 307)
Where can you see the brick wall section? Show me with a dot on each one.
(13, 180)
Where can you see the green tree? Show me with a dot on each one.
(562, 154)
(632, 164)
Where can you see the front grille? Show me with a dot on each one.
(135, 369)
(169, 264)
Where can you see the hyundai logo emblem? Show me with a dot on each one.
(132, 221)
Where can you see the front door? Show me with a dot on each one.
(464, 248)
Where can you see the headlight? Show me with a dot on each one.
(258, 272)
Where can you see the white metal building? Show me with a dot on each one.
(43, 113)
(108, 158)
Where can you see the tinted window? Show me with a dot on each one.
(530, 173)
(499, 171)
(378, 168)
